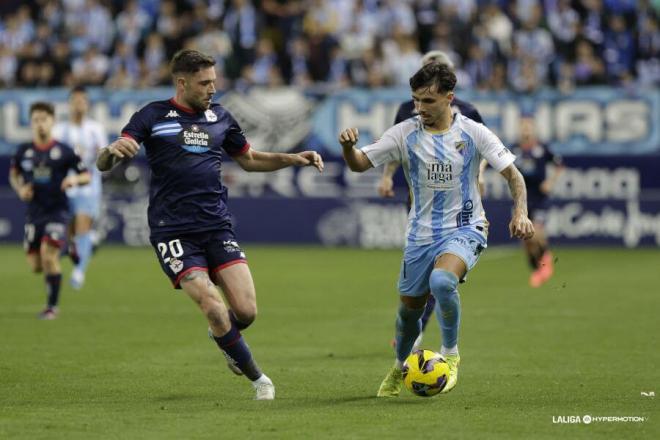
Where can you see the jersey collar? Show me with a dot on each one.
(44, 147)
(181, 107)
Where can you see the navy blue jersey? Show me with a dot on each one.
(185, 150)
(407, 110)
(532, 164)
(45, 167)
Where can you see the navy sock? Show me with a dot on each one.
(428, 311)
(234, 345)
(53, 288)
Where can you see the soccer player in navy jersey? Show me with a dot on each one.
(532, 159)
(386, 183)
(447, 230)
(187, 138)
(39, 174)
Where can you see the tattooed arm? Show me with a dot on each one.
(520, 225)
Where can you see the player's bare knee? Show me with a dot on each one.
(246, 313)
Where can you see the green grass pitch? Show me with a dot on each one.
(129, 357)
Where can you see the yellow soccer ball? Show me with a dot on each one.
(425, 373)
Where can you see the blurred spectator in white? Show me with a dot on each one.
(91, 68)
(401, 57)
(498, 27)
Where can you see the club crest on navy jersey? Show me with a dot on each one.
(55, 153)
(195, 139)
(210, 115)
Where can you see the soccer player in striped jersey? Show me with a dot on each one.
(187, 138)
(87, 137)
(386, 184)
(447, 229)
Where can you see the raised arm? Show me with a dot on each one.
(520, 225)
(355, 159)
(253, 160)
(122, 148)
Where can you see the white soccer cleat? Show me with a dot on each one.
(77, 279)
(264, 391)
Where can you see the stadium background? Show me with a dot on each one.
(293, 74)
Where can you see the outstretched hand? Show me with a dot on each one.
(312, 158)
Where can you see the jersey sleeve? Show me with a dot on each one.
(15, 162)
(387, 148)
(492, 149)
(76, 163)
(101, 137)
(235, 143)
(139, 127)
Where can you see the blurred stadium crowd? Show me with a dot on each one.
(495, 44)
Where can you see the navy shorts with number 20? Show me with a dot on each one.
(211, 251)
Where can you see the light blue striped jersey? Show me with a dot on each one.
(442, 170)
(86, 139)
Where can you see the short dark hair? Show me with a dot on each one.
(42, 106)
(432, 74)
(190, 61)
(78, 89)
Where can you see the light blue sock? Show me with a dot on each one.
(408, 326)
(448, 305)
(84, 248)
